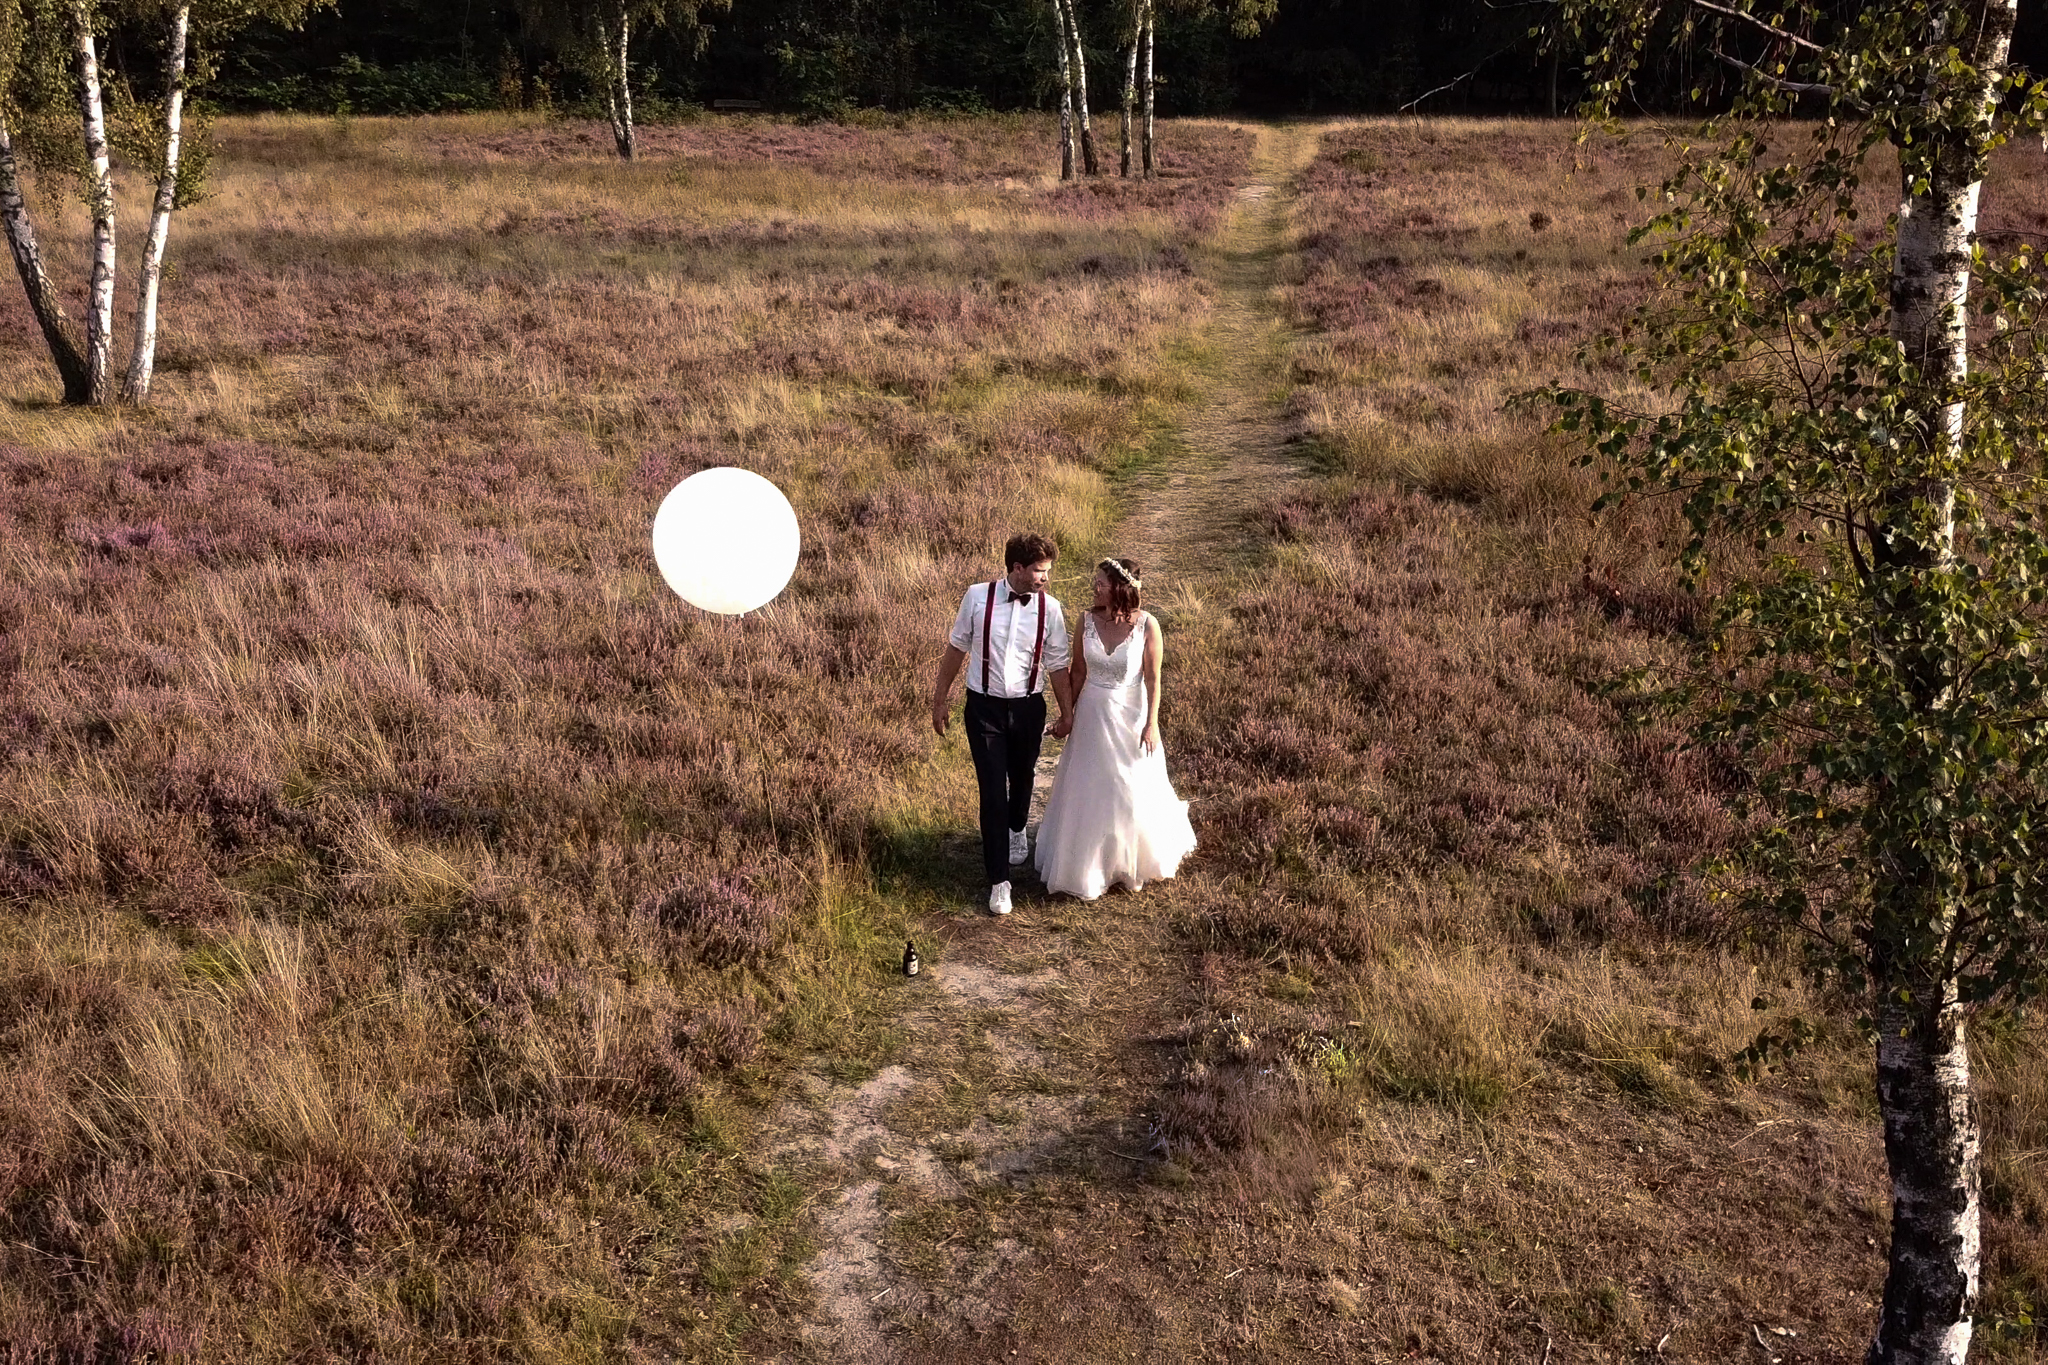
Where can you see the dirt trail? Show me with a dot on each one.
(1021, 1057)
(1184, 520)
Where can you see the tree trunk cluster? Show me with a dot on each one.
(87, 371)
(1139, 59)
(1077, 132)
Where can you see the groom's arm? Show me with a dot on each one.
(1063, 691)
(942, 690)
(958, 640)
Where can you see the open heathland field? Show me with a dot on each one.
(424, 939)
(406, 898)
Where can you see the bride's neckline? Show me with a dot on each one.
(1136, 621)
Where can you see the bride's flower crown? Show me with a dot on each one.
(1125, 574)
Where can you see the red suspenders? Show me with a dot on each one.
(1037, 648)
(988, 621)
(988, 625)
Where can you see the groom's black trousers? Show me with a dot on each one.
(1004, 735)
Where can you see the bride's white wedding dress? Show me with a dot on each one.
(1112, 815)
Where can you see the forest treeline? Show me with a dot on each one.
(824, 58)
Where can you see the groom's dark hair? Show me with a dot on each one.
(1027, 547)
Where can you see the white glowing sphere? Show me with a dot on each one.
(726, 540)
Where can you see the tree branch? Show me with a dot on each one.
(1771, 29)
(1779, 83)
(1855, 553)
(1455, 81)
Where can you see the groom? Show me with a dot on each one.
(1012, 633)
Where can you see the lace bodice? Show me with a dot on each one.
(1113, 669)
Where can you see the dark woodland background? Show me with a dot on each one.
(825, 58)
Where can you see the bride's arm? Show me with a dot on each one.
(1155, 654)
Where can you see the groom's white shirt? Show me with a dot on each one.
(1014, 632)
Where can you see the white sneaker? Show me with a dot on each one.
(999, 899)
(1020, 847)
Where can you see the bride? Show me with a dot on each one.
(1112, 815)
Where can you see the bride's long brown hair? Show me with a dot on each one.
(1123, 598)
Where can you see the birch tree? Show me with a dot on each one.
(32, 58)
(1146, 35)
(1074, 72)
(598, 35)
(1245, 16)
(99, 201)
(43, 300)
(142, 360)
(1863, 413)
(50, 74)
(1141, 11)
(1067, 156)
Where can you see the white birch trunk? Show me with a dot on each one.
(1059, 15)
(1930, 291)
(143, 363)
(1933, 1147)
(28, 262)
(1090, 162)
(99, 311)
(632, 145)
(1151, 18)
(1932, 1141)
(618, 97)
(1130, 87)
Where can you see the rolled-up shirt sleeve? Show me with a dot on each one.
(1056, 645)
(962, 637)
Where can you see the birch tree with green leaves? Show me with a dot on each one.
(57, 120)
(598, 36)
(1859, 409)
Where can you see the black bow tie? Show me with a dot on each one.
(1022, 599)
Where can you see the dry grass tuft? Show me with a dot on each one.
(1445, 1031)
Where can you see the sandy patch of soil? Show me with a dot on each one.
(888, 1165)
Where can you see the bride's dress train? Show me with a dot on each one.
(1112, 815)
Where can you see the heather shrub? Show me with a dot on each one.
(721, 918)
(1253, 1091)
(1323, 922)
(1407, 754)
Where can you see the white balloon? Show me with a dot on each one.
(726, 540)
